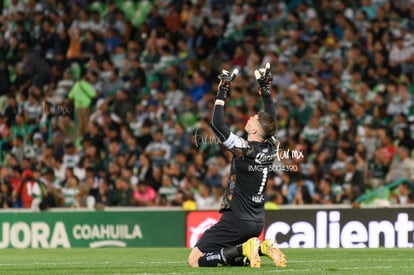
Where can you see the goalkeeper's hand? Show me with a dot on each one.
(264, 78)
(225, 80)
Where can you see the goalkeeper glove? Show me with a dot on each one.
(264, 78)
(224, 86)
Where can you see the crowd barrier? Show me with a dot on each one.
(320, 227)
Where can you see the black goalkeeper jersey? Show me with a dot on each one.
(251, 165)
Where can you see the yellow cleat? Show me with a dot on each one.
(271, 250)
(250, 250)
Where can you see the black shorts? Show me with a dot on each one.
(229, 231)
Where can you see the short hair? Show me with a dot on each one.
(76, 178)
(268, 124)
(158, 130)
(114, 140)
(405, 149)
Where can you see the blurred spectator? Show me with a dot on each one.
(122, 105)
(83, 199)
(329, 142)
(105, 196)
(94, 135)
(404, 193)
(301, 191)
(203, 198)
(274, 201)
(82, 94)
(387, 148)
(401, 55)
(401, 167)
(38, 146)
(378, 170)
(343, 86)
(70, 155)
(74, 49)
(312, 132)
(52, 197)
(4, 77)
(199, 86)
(15, 177)
(6, 200)
(18, 148)
(174, 95)
(4, 128)
(158, 150)
(123, 195)
(167, 189)
(218, 194)
(212, 177)
(302, 111)
(11, 110)
(327, 192)
(353, 183)
(70, 191)
(27, 191)
(181, 140)
(34, 66)
(143, 195)
(144, 171)
(112, 85)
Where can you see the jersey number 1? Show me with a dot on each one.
(263, 183)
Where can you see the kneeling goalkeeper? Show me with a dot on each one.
(233, 240)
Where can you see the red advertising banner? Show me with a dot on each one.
(198, 222)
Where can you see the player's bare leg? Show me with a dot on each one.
(194, 256)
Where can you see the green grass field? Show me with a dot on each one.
(174, 261)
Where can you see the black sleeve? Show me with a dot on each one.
(217, 123)
(269, 107)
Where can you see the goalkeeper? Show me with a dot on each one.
(233, 240)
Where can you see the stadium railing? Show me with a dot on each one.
(379, 193)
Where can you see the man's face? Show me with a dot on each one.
(38, 141)
(400, 43)
(114, 148)
(158, 136)
(402, 153)
(253, 124)
(350, 167)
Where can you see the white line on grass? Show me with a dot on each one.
(344, 260)
(220, 270)
(335, 269)
(51, 263)
(164, 273)
(184, 262)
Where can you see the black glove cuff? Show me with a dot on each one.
(265, 91)
(221, 94)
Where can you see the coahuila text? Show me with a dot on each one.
(328, 232)
(43, 235)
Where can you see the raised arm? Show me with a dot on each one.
(217, 120)
(264, 78)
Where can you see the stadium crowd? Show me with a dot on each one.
(109, 103)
